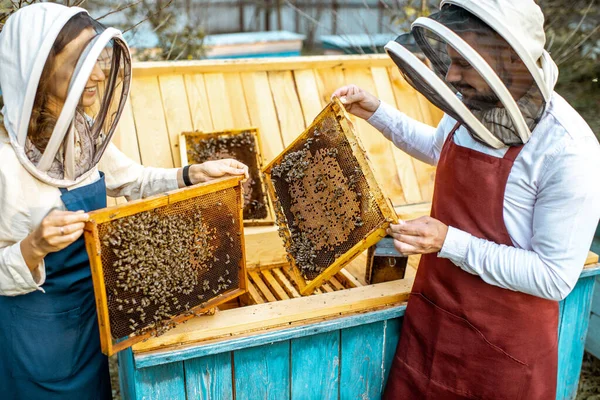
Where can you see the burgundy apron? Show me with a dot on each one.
(461, 337)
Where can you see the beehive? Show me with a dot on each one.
(158, 261)
(328, 206)
(242, 145)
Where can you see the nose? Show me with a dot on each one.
(454, 73)
(97, 74)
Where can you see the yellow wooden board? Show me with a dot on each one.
(151, 127)
(176, 108)
(198, 103)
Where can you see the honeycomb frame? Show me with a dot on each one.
(186, 139)
(379, 200)
(111, 345)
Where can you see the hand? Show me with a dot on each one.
(210, 170)
(420, 236)
(357, 101)
(57, 230)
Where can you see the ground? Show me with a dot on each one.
(589, 385)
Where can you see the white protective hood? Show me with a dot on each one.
(25, 44)
(442, 38)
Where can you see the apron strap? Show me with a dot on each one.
(513, 152)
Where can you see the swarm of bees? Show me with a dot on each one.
(323, 203)
(243, 147)
(164, 262)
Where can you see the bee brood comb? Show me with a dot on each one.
(158, 261)
(328, 206)
(243, 145)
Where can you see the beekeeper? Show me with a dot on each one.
(65, 79)
(515, 206)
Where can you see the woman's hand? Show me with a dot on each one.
(420, 236)
(210, 170)
(57, 230)
(357, 101)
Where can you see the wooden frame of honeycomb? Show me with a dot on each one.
(338, 200)
(255, 165)
(172, 207)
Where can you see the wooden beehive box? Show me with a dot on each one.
(243, 145)
(328, 204)
(158, 261)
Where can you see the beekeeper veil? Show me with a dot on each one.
(485, 66)
(65, 79)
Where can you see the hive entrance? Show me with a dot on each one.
(165, 261)
(241, 145)
(328, 205)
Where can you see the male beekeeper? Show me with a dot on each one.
(515, 206)
(57, 65)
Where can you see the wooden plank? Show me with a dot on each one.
(308, 92)
(281, 313)
(209, 378)
(237, 100)
(596, 297)
(261, 64)
(274, 286)
(264, 289)
(413, 211)
(262, 112)
(404, 166)
(348, 279)
(575, 311)
(220, 109)
(285, 283)
(377, 146)
(392, 328)
(155, 149)
(263, 372)
(592, 258)
(328, 81)
(255, 294)
(176, 109)
(253, 339)
(592, 344)
(165, 381)
(327, 288)
(362, 364)
(264, 247)
(287, 104)
(127, 374)
(198, 103)
(125, 137)
(408, 101)
(315, 366)
(337, 285)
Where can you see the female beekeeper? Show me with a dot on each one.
(65, 79)
(513, 212)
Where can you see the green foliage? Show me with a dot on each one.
(179, 37)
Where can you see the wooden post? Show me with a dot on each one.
(279, 22)
(241, 7)
(267, 15)
(334, 19)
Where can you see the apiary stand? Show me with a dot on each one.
(343, 356)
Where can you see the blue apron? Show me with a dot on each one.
(49, 342)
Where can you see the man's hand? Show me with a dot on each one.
(357, 101)
(210, 170)
(420, 236)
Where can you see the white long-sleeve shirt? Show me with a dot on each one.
(25, 201)
(551, 203)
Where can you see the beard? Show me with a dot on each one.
(479, 101)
